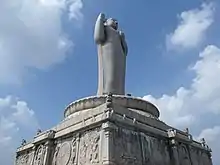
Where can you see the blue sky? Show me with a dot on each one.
(48, 59)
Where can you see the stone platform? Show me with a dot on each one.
(132, 103)
(113, 130)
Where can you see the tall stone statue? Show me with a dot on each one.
(112, 51)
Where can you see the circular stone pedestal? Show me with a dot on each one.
(129, 102)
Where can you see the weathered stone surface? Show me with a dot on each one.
(194, 155)
(126, 137)
(89, 147)
(127, 147)
(136, 148)
(155, 151)
(65, 151)
(24, 159)
(184, 155)
(134, 103)
(63, 154)
(39, 155)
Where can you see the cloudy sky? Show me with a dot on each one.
(48, 59)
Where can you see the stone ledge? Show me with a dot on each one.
(90, 118)
(79, 117)
(25, 147)
(152, 131)
(47, 135)
(127, 113)
(85, 124)
(125, 101)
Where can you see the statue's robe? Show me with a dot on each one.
(112, 50)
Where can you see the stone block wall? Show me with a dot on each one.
(122, 131)
(111, 144)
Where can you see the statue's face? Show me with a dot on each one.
(113, 23)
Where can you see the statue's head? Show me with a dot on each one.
(112, 22)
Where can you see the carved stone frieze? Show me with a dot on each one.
(65, 152)
(89, 147)
(30, 157)
(127, 147)
(25, 159)
(22, 159)
(74, 150)
(39, 155)
(55, 155)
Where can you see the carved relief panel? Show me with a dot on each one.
(25, 159)
(65, 152)
(22, 159)
(39, 155)
(30, 157)
(89, 147)
(127, 147)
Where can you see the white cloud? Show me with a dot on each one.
(210, 134)
(207, 71)
(23, 114)
(189, 106)
(212, 138)
(192, 27)
(32, 35)
(173, 108)
(75, 9)
(16, 118)
(202, 97)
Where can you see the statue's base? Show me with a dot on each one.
(113, 130)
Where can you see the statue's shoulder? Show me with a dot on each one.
(121, 33)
